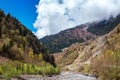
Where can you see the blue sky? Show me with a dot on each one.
(23, 10)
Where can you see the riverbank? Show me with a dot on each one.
(62, 76)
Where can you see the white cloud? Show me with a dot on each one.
(56, 15)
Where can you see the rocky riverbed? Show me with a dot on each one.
(62, 76)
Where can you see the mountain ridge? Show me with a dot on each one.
(82, 33)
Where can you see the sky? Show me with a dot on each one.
(46, 17)
(56, 15)
(23, 10)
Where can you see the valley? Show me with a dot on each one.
(90, 51)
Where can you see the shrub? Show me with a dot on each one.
(107, 65)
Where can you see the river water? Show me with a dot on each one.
(75, 76)
(62, 76)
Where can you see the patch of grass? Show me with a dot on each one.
(18, 68)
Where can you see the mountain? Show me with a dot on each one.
(20, 51)
(100, 57)
(82, 33)
(55, 43)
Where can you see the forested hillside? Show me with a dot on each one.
(17, 43)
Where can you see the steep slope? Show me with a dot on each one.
(17, 42)
(84, 51)
(102, 55)
(82, 33)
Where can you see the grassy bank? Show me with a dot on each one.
(9, 70)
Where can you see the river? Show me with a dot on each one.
(62, 76)
(75, 76)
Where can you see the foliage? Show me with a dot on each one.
(19, 43)
(107, 66)
(9, 70)
(26, 53)
(18, 34)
